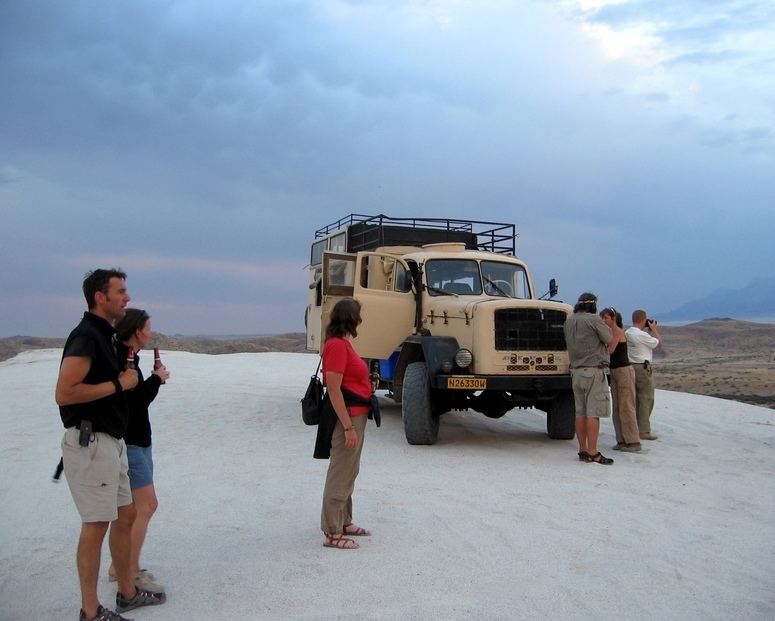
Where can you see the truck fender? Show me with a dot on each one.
(433, 350)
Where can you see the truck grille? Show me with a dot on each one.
(526, 329)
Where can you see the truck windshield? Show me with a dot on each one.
(453, 277)
(505, 280)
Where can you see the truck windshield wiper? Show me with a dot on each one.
(496, 287)
(440, 291)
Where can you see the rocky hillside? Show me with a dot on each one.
(721, 358)
(11, 346)
(718, 336)
(292, 342)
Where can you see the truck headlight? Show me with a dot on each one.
(463, 358)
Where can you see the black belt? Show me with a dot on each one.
(78, 427)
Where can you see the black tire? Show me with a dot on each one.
(421, 426)
(561, 417)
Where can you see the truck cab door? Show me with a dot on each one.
(382, 283)
(383, 286)
(332, 280)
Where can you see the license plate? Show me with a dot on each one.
(467, 383)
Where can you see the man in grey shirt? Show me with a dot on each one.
(587, 339)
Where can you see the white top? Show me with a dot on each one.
(640, 345)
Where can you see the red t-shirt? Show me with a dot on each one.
(340, 357)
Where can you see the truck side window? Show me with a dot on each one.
(402, 282)
(340, 272)
(338, 243)
(384, 274)
(376, 273)
(316, 255)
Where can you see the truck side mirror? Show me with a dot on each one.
(553, 288)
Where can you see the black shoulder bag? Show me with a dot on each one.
(312, 401)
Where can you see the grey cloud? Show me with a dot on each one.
(704, 58)
(749, 140)
(10, 173)
(698, 23)
(231, 131)
(657, 97)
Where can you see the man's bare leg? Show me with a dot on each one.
(581, 433)
(593, 430)
(88, 562)
(120, 538)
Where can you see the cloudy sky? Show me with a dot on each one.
(198, 145)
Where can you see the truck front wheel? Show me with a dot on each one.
(561, 417)
(421, 426)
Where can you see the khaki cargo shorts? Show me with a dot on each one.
(97, 475)
(590, 390)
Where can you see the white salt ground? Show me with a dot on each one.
(496, 521)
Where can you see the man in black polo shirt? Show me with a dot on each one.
(89, 391)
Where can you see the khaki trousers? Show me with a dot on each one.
(644, 397)
(343, 467)
(623, 397)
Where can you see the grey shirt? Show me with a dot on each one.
(587, 338)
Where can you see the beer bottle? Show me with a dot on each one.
(157, 361)
(130, 358)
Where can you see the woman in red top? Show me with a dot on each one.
(343, 368)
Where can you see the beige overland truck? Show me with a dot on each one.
(451, 318)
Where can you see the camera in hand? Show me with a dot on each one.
(651, 322)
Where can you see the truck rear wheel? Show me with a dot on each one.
(421, 426)
(561, 417)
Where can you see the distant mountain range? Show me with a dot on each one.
(754, 302)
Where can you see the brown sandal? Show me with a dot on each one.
(340, 543)
(355, 531)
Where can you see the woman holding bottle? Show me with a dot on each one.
(133, 332)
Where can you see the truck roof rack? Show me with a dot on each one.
(369, 232)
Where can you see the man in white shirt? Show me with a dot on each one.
(642, 338)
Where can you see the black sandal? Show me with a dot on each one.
(598, 458)
(584, 456)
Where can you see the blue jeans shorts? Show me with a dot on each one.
(140, 465)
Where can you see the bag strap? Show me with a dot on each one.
(320, 361)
